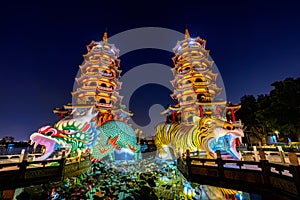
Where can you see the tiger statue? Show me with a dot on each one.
(205, 134)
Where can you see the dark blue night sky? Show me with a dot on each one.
(254, 43)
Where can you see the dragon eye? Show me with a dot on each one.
(49, 133)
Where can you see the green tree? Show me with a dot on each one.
(284, 109)
(277, 111)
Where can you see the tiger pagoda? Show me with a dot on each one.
(98, 84)
(194, 83)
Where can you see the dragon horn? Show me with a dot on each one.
(90, 111)
(73, 111)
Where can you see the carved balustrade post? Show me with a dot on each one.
(22, 169)
(265, 168)
(62, 164)
(295, 169)
(188, 163)
(219, 162)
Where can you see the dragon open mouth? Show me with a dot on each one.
(50, 144)
(226, 143)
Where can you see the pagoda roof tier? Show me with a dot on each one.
(189, 43)
(193, 52)
(100, 89)
(189, 108)
(114, 82)
(204, 75)
(191, 85)
(104, 70)
(103, 94)
(101, 59)
(171, 108)
(188, 103)
(197, 64)
(96, 55)
(84, 77)
(234, 107)
(197, 87)
(86, 65)
(60, 111)
(122, 112)
(103, 105)
(212, 90)
(103, 46)
(179, 93)
(93, 88)
(190, 56)
(116, 97)
(221, 103)
(80, 91)
(71, 106)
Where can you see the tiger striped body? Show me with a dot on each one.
(181, 137)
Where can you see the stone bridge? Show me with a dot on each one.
(26, 173)
(270, 180)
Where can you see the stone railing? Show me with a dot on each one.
(26, 173)
(260, 177)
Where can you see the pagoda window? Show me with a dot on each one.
(103, 85)
(201, 97)
(188, 82)
(95, 70)
(102, 101)
(199, 80)
(93, 84)
(189, 98)
(187, 69)
(91, 99)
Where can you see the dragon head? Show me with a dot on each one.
(74, 133)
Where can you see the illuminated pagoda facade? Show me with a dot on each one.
(98, 83)
(194, 83)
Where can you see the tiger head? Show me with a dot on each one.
(217, 134)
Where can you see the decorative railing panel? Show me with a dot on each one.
(22, 174)
(268, 179)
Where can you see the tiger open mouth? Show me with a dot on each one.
(226, 142)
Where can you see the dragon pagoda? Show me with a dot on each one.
(96, 119)
(98, 85)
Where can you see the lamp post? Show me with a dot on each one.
(277, 134)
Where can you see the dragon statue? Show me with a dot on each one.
(78, 132)
(205, 134)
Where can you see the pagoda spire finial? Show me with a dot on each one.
(104, 38)
(186, 33)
